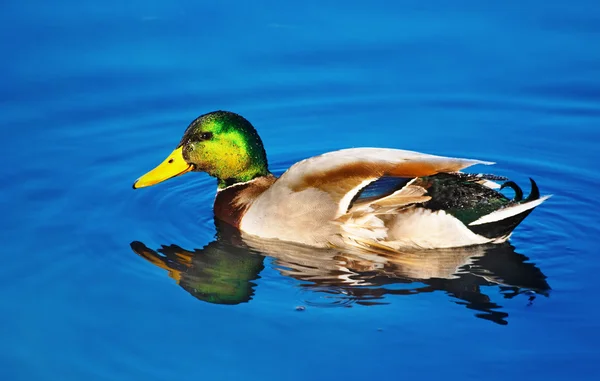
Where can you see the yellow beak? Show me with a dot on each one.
(174, 165)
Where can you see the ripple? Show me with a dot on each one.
(326, 297)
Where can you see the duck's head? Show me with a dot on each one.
(223, 144)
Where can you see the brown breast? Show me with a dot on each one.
(232, 202)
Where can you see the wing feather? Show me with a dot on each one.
(302, 204)
(342, 174)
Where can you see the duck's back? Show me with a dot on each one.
(314, 201)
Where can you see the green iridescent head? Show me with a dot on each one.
(223, 144)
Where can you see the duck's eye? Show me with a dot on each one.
(206, 136)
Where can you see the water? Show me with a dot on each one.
(93, 94)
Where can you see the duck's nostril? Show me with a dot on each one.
(170, 161)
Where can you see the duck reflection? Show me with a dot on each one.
(225, 271)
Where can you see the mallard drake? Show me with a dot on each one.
(368, 197)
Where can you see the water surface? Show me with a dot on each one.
(103, 283)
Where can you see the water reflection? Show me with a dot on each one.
(224, 272)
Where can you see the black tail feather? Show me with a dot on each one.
(535, 191)
(518, 191)
(506, 226)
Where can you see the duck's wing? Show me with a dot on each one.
(300, 205)
(343, 174)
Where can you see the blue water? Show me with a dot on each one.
(95, 93)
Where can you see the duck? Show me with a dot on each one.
(366, 197)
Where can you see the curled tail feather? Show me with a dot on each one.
(503, 221)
